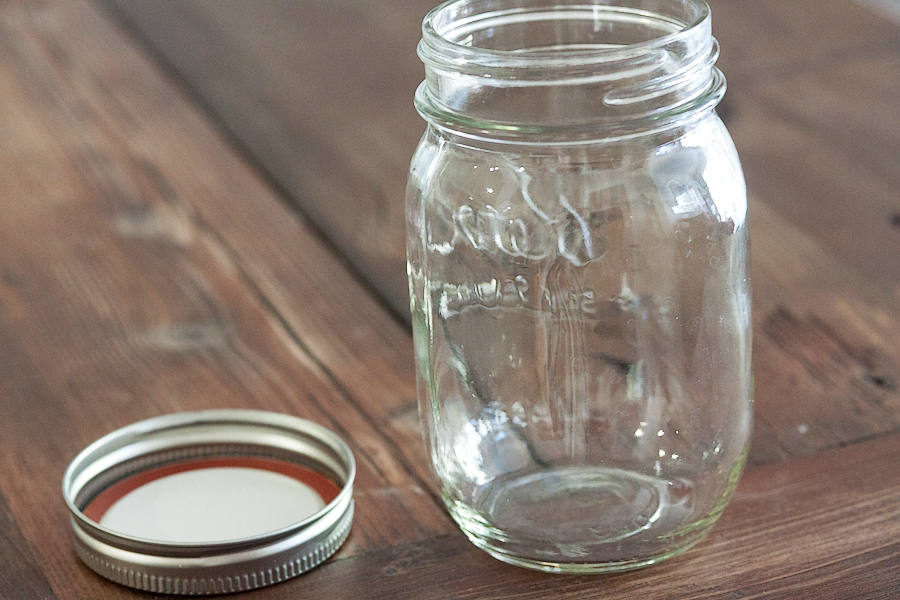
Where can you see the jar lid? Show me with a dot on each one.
(210, 502)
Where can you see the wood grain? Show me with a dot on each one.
(824, 244)
(794, 531)
(20, 576)
(771, 39)
(826, 362)
(322, 99)
(119, 302)
(147, 266)
(826, 172)
(314, 137)
(320, 305)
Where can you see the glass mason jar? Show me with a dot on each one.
(578, 250)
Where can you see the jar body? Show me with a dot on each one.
(581, 317)
(581, 323)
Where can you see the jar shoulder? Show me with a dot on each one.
(697, 170)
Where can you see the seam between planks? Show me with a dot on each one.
(332, 379)
(121, 21)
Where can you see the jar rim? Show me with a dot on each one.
(640, 66)
(436, 49)
(515, 133)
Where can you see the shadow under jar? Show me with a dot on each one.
(578, 250)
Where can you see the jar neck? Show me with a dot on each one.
(567, 70)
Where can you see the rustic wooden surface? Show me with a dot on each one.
(149, 265)
(794, 530)
(322, 101)
(321, 94)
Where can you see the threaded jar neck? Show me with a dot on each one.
(565, 69)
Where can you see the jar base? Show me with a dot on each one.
(582, 568)
(580, 519)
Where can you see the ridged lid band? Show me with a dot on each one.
(201, 568)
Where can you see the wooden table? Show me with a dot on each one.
(153, 260)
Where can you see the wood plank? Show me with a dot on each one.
(20, 576)
(823, 527)
(119, 302)
(302, 127)
(812, 106)
(322, 99)
(820, 415)
(766, 39)
(146, 269)
(849, 105)
(296, 275)
(826, 362)
(812, 174)
(826, 281)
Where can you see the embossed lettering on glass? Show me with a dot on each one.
(578, 250)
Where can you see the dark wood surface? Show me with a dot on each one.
(794, 530)
(152, 260)
(322, 100)
(320, 93)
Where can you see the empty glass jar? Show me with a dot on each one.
(578, 250)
